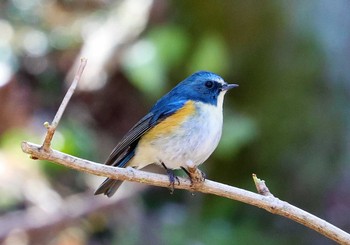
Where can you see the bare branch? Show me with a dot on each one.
(52, 128)
(269, 203)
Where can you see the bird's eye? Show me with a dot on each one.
(209, 84)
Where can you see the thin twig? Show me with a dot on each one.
(269, 203)
(52, 128)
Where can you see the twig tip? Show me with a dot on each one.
(261, 186)
(46, 125)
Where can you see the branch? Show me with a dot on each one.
(264, 200)
(52, 128)
(269, 203)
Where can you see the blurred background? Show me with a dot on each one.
(288, 122)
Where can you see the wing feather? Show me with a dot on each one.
(130, 140)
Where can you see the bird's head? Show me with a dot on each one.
(204, 86)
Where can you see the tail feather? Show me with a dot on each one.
(108, 187)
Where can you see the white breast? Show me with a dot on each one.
(205, 133)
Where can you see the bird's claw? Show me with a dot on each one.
(196, 175)
(172, 179)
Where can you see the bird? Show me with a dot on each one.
(182, 129)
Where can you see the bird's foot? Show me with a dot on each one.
(195, 174)
(172, 178)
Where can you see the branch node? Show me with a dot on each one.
(48, 138)
(261, 186)
(33, 157)
(46, 125)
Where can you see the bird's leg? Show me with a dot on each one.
(172, 178)
(195, 174)
(188, 174)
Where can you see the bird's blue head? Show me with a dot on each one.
(203, 86)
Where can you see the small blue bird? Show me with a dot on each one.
(182, 129)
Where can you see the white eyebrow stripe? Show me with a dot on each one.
(217, 79)
(221, 81)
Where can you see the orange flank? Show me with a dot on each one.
(173, 122)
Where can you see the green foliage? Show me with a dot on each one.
(238, 131)
(149, 60)
(212, 54)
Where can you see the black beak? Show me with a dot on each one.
(226, 87)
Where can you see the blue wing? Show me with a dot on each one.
(125, 150)
(121, 154)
